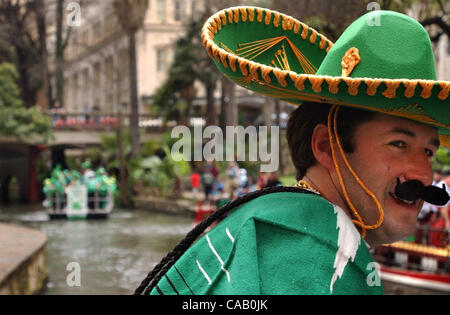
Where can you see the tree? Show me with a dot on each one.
(131, 15)
(190, 63)
(62, 40)
(331, 18)
(432, 14)
(20, 45)
(24, 123)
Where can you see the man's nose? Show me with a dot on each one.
(419, 168)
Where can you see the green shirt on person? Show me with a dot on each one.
(278, 243)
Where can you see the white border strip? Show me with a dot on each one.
(229, 235)
(218, 257)
(204, 273)
(411, 281)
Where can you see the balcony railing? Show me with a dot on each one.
(105, 122)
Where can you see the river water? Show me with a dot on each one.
(113, 255)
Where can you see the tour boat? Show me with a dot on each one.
(76, 203)
(419, 264)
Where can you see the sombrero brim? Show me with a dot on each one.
(277, 56)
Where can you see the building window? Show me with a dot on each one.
(161, 10)
(194, 9)
(161, 60)
(97, 32)
(177, 10)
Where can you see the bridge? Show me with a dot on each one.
(19, 157)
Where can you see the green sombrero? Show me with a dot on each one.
(387, 66)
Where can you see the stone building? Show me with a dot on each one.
(96, 68)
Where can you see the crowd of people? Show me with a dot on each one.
(433, 221)
(237, 182)
(97, 182)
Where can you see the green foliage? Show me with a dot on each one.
(441, 160)
(18, 120)
(190, 63)
(147, 171)
(160, 174)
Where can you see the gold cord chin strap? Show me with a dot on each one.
(359, 221)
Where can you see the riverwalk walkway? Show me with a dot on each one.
(22, 260)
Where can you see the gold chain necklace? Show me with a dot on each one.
(305, 185)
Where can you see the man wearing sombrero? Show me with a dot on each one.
(371, 116)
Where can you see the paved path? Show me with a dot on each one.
(17, 246)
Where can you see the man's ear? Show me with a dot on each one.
(320, 145)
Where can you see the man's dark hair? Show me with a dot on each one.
(301, 125)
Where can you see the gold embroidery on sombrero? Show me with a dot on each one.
(276, 19)
(299, 80)
(279, 92)
(223, 19)
(445, 89)
(243, 14)
(259, 15)
(251, 50)
(353, 86)
(304, 31)
(281, 61)
(372, 85)
(307, 66)
(236, 15)
(333, 84)
(412, 111)
(350, 61)
(427, 86)
(281, 76)
(212, 26)
(402, 112)
(218, 22)
(316, 83)
(391, 89)
(445, 140)
(322, 42)
(265, 73)
(288, 24)
(312, 38)
(410, 88)
(268, 17)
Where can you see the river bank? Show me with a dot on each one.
(23, 268)
(112, 256)
(186, 205)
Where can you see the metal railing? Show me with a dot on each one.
(104, 122)
(57, 203)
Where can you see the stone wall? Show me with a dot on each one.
(22, 260)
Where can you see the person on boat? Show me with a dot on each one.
(55, 188)
(371, 116)
(102, 185)
(427, 215)
(439, 235)
(88, 173)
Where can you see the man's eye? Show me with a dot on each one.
(398, 144)
(429, 152)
